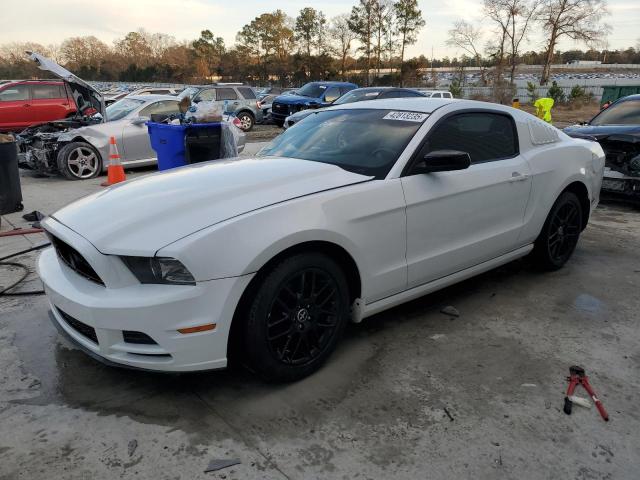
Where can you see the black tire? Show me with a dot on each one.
(560, 233)
(279, 123)
(79, 161)
(309, 294)
(247, 121)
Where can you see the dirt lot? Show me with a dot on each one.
(410, 393)
(263, 133)
(565, 115)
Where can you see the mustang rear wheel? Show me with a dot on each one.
(79, 161)
(560, 233)
(296, 317)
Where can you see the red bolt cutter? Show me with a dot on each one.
(578, 377)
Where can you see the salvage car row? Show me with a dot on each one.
(77, 145)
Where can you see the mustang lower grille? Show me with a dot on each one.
(83, 329)
(74, 260)
(130, 336)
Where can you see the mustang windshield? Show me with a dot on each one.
(365, 141)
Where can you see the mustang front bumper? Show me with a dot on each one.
(136, 325)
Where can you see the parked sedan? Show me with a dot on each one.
(78, 148)
(359, 208)
(82, 153)
(357, 95)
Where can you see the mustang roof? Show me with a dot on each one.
(415, 104)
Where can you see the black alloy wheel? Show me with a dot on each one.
(296, 317)
(303, 316)
(560, 232)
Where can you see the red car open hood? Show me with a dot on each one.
(84, 95)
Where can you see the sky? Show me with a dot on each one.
(47, 22)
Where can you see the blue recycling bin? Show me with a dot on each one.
(168, 143)
(178, 145)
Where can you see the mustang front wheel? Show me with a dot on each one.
(296, 317)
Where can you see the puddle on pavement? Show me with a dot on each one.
(588, 303)
(69, 377)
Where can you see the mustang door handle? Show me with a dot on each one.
(518, 177)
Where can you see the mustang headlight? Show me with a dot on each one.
(163, 270)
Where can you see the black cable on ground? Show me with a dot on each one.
(27, 271)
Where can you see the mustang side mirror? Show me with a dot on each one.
(442, 161)
(139, 121)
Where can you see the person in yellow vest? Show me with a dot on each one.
(543, 108)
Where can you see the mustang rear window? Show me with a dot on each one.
(364, 141)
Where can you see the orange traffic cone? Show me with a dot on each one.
(115, 171)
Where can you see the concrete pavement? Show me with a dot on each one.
(377, 409)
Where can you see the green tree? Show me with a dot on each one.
(309, 31)
(556, 93)
(267, 42)
(362, 23)
(532, 91)
(208, 51)
(409, 22)
(456, 89)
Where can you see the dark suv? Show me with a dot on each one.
(28, 102)
(238, 99)
(312, 95)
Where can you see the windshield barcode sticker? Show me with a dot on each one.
(406, 116)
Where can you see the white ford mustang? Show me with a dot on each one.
(354, 210)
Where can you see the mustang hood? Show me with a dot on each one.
(141, 216)
(84, 95)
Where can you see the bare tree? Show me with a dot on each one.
(343, 38)
(523, 14)
(579, 20)
(494, 11)
(467, 37)
(513, 19)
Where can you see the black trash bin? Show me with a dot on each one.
(203, 142)
(10, 191)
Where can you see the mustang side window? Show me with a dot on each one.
(484, 136)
